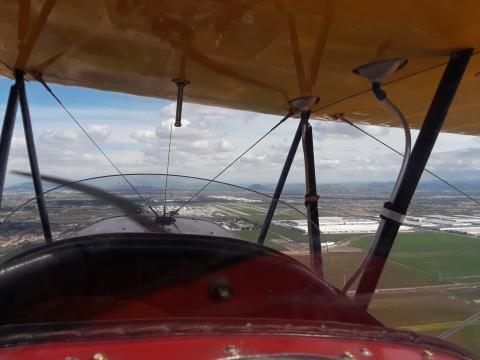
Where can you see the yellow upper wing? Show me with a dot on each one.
(251, 54)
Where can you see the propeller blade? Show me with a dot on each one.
(126, 206)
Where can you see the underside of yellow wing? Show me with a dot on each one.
(252, 54)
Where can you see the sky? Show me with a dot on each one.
(134, 132)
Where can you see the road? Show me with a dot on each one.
(415, 289)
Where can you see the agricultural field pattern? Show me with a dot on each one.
(430, 284)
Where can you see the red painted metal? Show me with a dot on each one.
(219, 338)
(217, 347)
(263, 285)
(279, 289)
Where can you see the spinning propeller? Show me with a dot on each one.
(129, 208)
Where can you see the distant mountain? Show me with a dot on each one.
(27, 187)
(262, 187)
(150, 184)
(377, 187)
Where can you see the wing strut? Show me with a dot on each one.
(19, 94)
(311, 196)
(7, 132)
(389, 225)
(304, 133)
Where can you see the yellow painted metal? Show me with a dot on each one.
(250, 54)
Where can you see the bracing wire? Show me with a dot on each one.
(166, 176)
(290, 113)
(396, 80)
(174, 175)
(6, 65)
(20, 206)
(14, 211)
(405, 158)
(460, 191)
(50, 91)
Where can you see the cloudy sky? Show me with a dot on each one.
(134, 132)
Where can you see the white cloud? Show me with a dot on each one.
(456, 162)
(144, 136)
(135, 136)
(330, 162)
(59, 137)
(99, 132)
(165, 125)
(223, 146)
(190, 130)
(333, 129)
(18, 142)
(71, 138)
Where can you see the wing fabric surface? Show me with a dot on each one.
(250, 54)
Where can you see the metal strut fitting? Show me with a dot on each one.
(395, 210)
(296, 105)
(311, 196)
(304, 132)
(181, 83)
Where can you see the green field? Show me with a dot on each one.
(252, 235)
(429, 313)
(428, 242)
(423, 308)
(416, 260)
(256, 212)
(339, 266)
(275, 231)
(444, 259)
(469, 337)
(449, 258)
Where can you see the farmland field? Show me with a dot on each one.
(339, 266)
(418, 260)
(430, 284)
(428, 242)
(429, 313)
(447, 257)
(277, 231)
